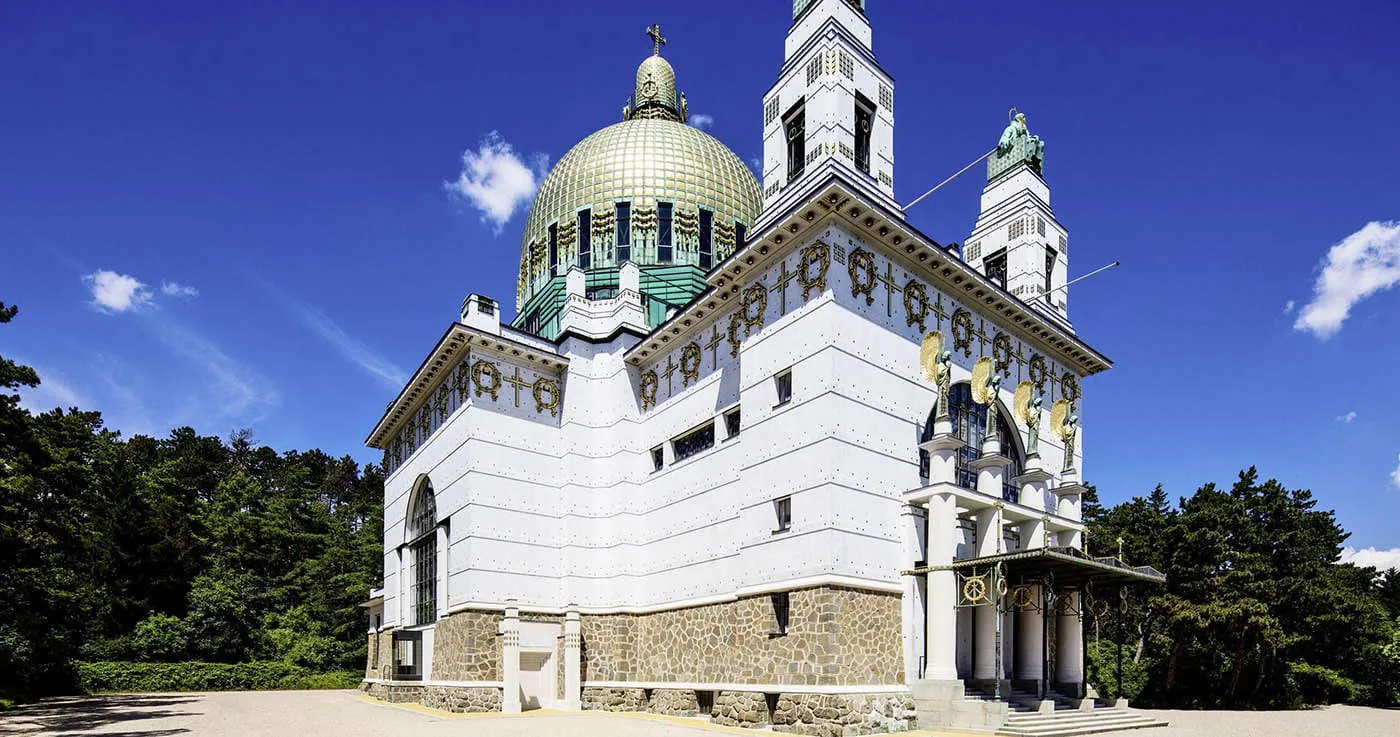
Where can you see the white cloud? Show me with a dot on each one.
(702, 121)
(496, 180)
(1378, 559)
(1347, 418)
(358, 353)
(1365, 262)
(175, 289)
(1395, 475)
(113, 292)
(1288, 306)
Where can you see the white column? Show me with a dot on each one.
(1030, 639)
(573, 665)
(510, 661)
(941, 634)
(1069, 643)
(984, 643)
(443, 560)
(912, 518)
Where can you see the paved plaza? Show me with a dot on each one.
(349, 714)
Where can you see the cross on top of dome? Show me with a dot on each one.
(657, 40)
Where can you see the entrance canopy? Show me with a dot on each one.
(1066, 566)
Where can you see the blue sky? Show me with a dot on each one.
(263, 214)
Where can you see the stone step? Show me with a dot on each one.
(1067, 725)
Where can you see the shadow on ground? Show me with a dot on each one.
(77, 716)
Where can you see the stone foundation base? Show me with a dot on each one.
(834, 715)
(458, 699)
(740, 709)
(614, 699)
(673, 702)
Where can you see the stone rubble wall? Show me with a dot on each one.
(462, 700)
(676, 702)
(385, 654)
(835, 636)
(836, 715)
(467, 648)
(740, 709)
(614, 699)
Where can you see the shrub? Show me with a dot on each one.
(196, 676)
(1101, 662)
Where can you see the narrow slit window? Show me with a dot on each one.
(865, 120)
(663, 232)
(658, 458)
(795, 128)
(781, 606)
(707, 225)
(782, 511)
(585, 240)
(624, 231)
(1049, 267)
(553, 248)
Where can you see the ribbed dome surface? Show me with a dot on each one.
(644, 161)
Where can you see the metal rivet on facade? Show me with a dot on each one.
(763, 250)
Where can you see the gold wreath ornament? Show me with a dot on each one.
(975, 588)
(981, 374)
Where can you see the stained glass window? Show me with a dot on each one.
(969, 424)
(585, 239)
(663, 232)
(624, 231)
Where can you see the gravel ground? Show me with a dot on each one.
(349, 714)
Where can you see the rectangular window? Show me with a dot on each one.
(425, 579)
(783, 384)
(770, 110)
(781, 605)
(1040, 225)
(1049, 266)
(782, 509)
(741, 232)
(865, 119)
(658, 458)
(486, 305)
(585, 239)
(731, 423)
(707, 227)
(663, 232)
(624, 231)
(995, 267)
(795, 128)
(553, 248)
(696, 441)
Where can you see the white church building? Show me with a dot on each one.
(756, 451)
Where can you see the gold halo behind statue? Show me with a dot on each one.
(981, 373)
(928, 354)
(1021, 402)
(1059, 414)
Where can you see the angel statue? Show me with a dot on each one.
(1067, 434)
(1033, 423)
(685, 109)
(943, 378)
(993, 384)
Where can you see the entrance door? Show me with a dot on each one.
(536, 679)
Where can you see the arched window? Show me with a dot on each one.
(421, 539)
(969, 424)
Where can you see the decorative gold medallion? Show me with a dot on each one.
(736, 321)
(1023, 597)
(816, 256)
(487, 378)
(649, 384)
(962, 332)
(1038, 372)
(974, 589)
(916, 307)
(1001, 353)
(546, 388)
(862, 272)
(1069, 388)
(755, 303)
(690, 363)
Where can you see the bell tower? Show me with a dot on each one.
(1017, 242)
(832, 108)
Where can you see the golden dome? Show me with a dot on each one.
(656, 83)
